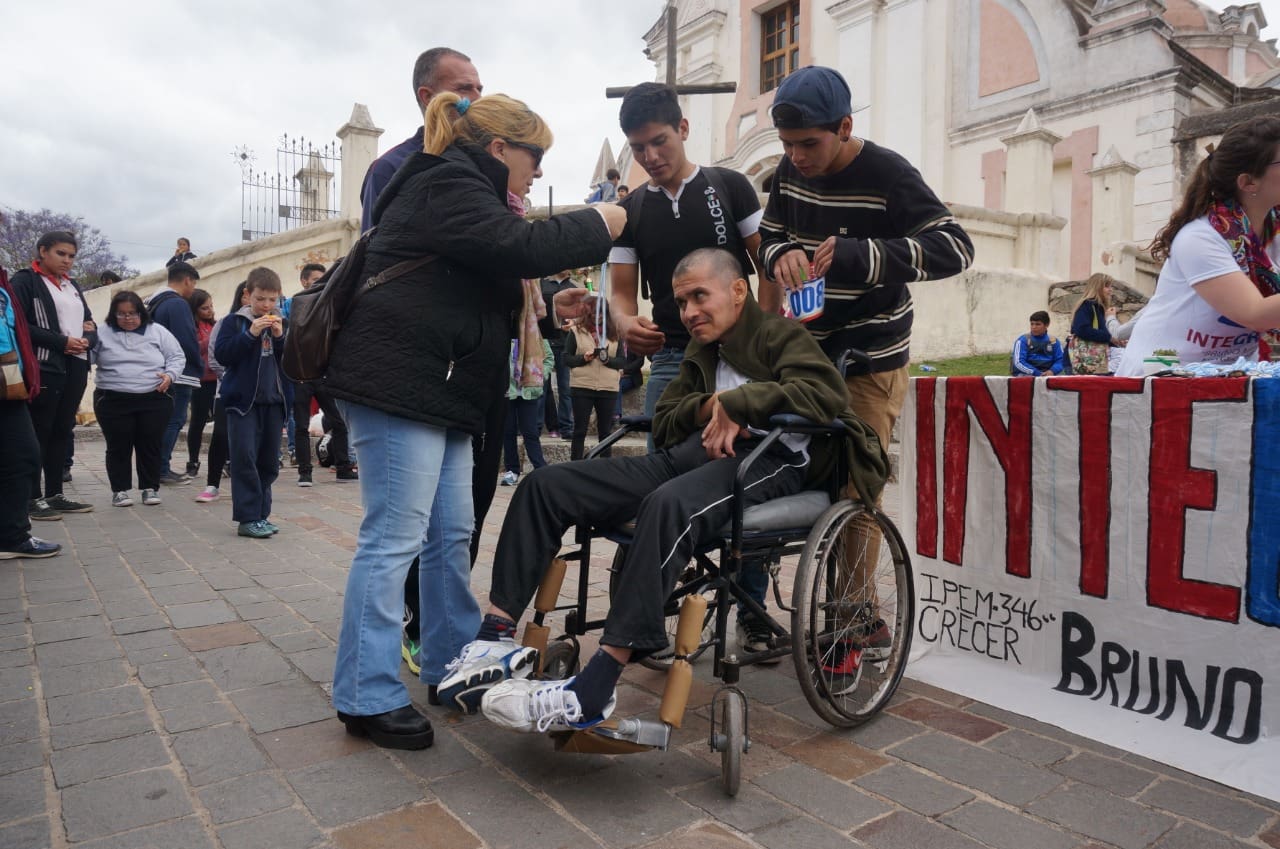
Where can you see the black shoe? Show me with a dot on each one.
(35, 548)
(193, 469)
(39, 509)
(63, 504)
(348, 474)
(402, 728)
(66, 476)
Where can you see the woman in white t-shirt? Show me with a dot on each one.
(1219, 288)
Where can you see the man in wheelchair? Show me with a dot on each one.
(741, 367)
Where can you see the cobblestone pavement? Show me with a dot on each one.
(163, 683)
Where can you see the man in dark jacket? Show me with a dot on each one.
(438, 69)
(171, 308)
(742, 367)
(19, 448)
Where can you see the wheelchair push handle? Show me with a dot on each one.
(850, 357)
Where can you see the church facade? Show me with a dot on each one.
(1110, 85)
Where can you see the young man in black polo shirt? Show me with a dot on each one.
(678, 211)
(683, 207)
(863, 216)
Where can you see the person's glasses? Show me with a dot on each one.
(534, 151)
(122, 316)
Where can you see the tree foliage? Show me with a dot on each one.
(21, 229)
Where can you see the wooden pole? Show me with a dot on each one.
(671, 42)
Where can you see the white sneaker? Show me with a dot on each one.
(540, 706)
(480, 665)
(121, 499)
(210, 494)
(509, 478)
(150, 497)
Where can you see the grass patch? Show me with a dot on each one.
(979, 365)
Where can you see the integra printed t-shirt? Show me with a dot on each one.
(697, 217)
(1178, 318)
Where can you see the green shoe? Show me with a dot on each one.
(255, 530)
(271, 526)
(409, 651)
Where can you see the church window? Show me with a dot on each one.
(779, 44)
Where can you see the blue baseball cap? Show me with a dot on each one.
(811, 97)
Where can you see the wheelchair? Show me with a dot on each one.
(852, 582)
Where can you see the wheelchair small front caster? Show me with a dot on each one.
(731, 739)
(560, 660)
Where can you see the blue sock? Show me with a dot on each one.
(495, 627)
(596, 682)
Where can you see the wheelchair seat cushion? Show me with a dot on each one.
(779, 514)
(789, 512)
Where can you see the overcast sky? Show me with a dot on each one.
(128, 113)
(130, 118)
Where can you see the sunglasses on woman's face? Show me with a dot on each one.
(121, 316)
(533, 150)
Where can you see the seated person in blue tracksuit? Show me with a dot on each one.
(1037, 354)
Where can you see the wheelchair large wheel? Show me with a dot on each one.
(692, 581)
(852, 619)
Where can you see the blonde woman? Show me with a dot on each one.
(415, 367)
(1091, 342)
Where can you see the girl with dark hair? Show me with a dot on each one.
(219, 452)
(138, 360)
(62, 332)
(202, 399)
(1219, 289)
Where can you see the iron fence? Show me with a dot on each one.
(302, 189)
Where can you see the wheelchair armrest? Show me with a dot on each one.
(793, 423)
(627, 424)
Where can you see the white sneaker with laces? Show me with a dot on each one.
(121, 499)
(480, 665)
(150, 497)
(541, 706)
(509, 478)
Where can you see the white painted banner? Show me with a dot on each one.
(1103, 554)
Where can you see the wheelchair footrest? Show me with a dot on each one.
(616, 737)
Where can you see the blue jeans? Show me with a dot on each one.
(664, 367)
(415, 481)
(181, 403)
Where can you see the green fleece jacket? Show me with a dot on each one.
(788, 373)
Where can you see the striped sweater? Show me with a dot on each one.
(891, 230)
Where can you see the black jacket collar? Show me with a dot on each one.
(462, 153)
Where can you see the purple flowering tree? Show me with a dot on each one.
(21, 229)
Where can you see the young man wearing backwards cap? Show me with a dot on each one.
(863, 216)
